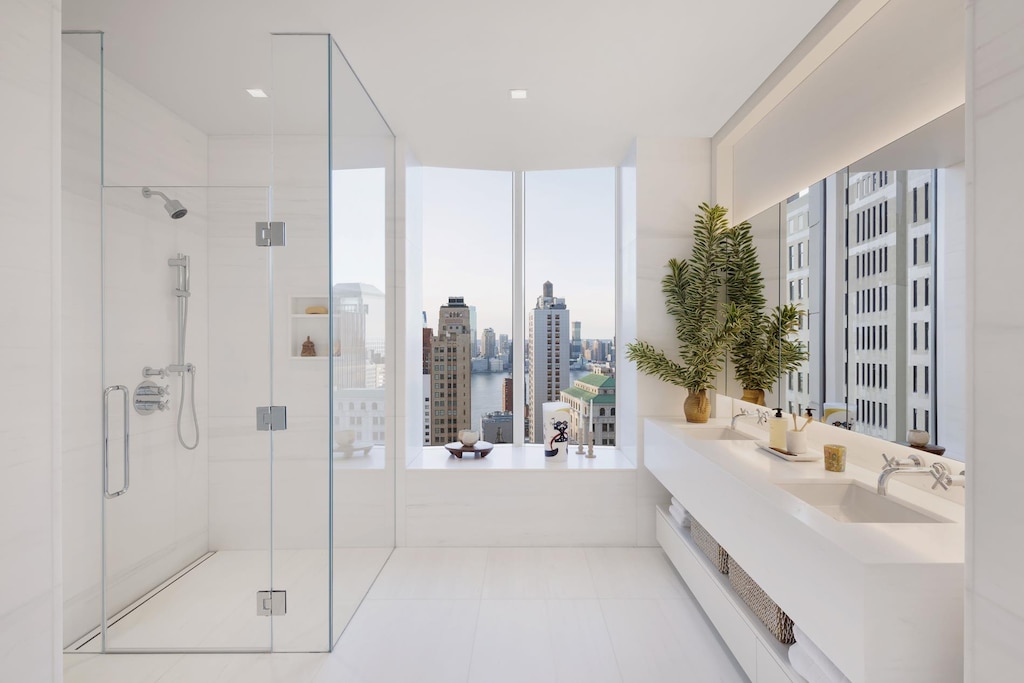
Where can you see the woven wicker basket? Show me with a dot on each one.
(770, 614)
(709, 546)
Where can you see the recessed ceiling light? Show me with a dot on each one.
(256, 92)
(517, 94)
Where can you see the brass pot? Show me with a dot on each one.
(697, 406)
(755, 396)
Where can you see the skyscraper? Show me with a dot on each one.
(576, 342)
(489, 344)
(549, 357)
(450, 352)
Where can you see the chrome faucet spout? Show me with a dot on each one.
(889, 472)
(760, 415)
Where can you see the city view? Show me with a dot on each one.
(567, 352)
(559, 365)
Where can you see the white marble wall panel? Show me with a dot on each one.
(995, 165)
(673, 176)
(520, 508)
(30, 508)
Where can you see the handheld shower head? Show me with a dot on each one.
(173, 207)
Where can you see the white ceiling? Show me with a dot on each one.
(599, 72)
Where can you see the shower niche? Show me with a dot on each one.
(198, 324)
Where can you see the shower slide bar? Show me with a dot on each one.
(106, 440)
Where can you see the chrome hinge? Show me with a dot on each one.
(270, 234)
(271, 418)
(271, 603)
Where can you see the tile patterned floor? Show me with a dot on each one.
(484, 615)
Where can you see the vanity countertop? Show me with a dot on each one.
(861, 591)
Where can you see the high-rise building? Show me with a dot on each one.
(549, 357)
(506, 395)
(450, 363)
(891, 241)
(489, 344)
(591, 401)
(473, 339)
(799, 282)
(576, 341)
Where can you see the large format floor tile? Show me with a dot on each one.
(479, 615)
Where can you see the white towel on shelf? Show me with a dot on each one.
(678, 504)
(830, 670)
(677, 514)
(802, 663)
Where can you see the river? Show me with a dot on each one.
(487, 387)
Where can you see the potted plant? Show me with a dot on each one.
(764, 347)
(705, 326)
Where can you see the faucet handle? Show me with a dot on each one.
(890, 463)
(895, 463)
(762, 416)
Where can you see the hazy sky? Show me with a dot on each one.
(467, 240)
(570, 240)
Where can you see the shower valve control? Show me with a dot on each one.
(152, 390)
(149, 397)
(153, 372)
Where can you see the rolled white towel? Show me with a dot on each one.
(802, 663)
(831, 671)
(677, 514)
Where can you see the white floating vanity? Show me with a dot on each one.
(876, 582)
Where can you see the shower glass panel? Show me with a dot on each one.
(187, 317)
(362, 172)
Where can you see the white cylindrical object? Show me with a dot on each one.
(556, 431)
(796, 442)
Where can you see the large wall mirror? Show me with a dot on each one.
(874, 257)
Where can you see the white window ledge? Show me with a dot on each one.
(526, 457)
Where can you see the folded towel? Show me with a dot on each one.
(677, 514)
(830, 670)
(802, 663)
(677, 504)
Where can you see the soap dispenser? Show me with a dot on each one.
(777, 426)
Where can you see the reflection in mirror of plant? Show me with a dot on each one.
(705, 325)
(765, 346)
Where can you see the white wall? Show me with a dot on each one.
(161, 523)
(673, 176)
(30, 508)
(995, 166)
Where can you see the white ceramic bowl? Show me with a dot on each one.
(917, 437)
(468, 438)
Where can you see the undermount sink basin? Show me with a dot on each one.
(852, 501)
(716, 434)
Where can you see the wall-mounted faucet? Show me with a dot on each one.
(946, 479)
(913, 464)
(760, 415)
(893, 466)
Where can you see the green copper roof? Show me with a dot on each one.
(587, 396)
(596, 380)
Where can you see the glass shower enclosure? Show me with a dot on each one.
(240, 376)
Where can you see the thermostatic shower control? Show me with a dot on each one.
(150, 397)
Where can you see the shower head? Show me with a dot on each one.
(173, 207)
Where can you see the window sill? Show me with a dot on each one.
(526, 457)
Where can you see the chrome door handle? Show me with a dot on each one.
(106, 440)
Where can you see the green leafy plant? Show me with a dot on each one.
(705, 325)
(765, 347)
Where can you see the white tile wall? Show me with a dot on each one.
(30, 507)
(673, 176)
(995, 165)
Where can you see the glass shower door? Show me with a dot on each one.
(186, 322)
